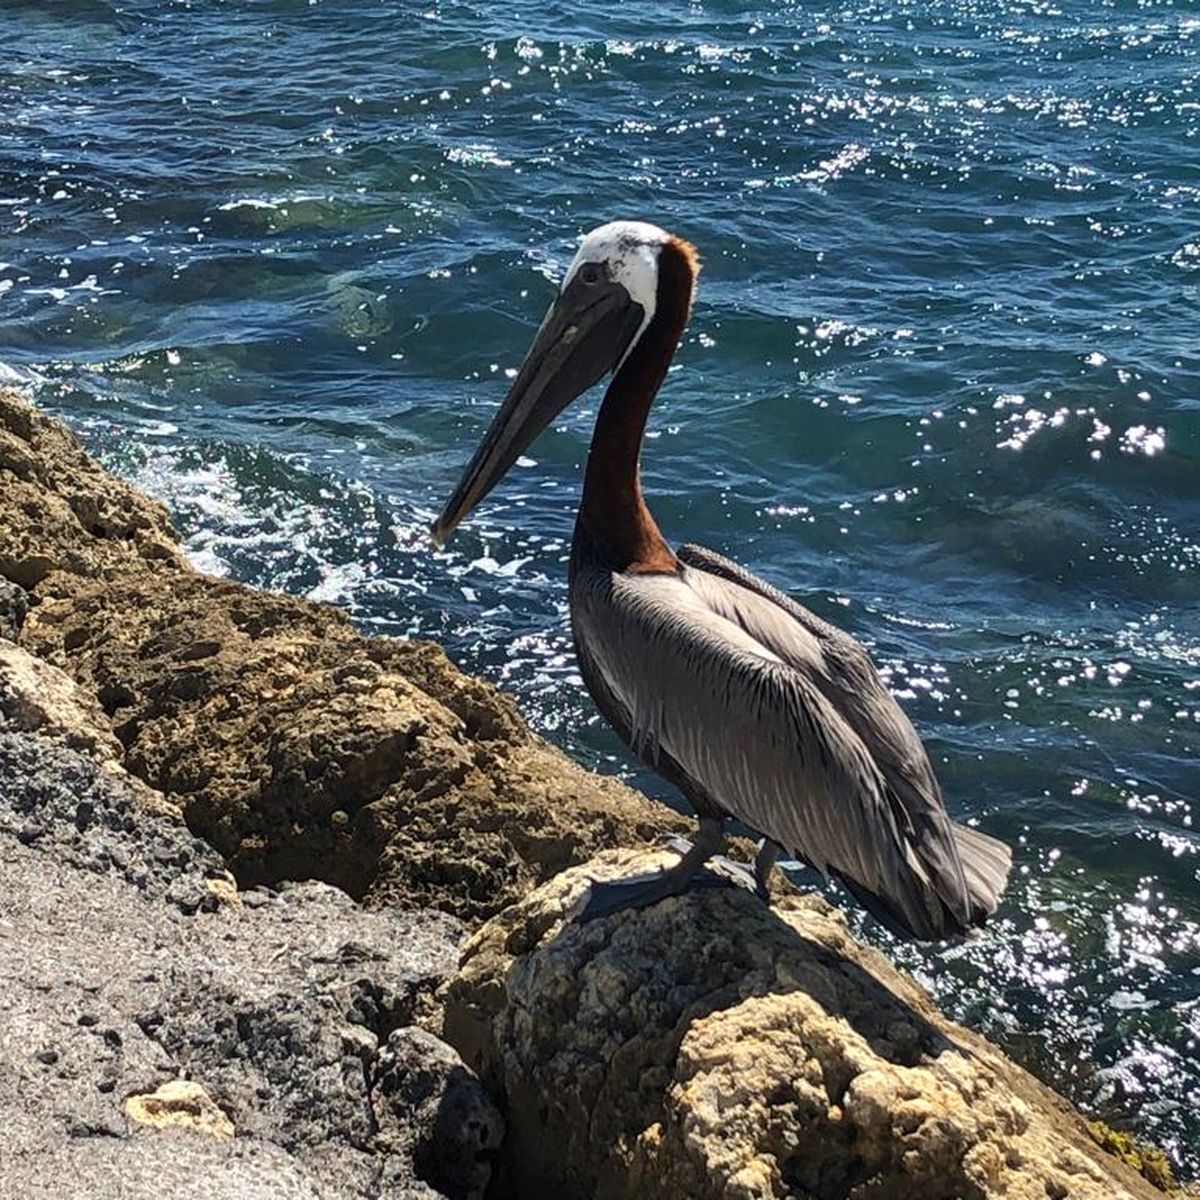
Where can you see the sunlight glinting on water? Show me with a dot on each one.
(940, 382)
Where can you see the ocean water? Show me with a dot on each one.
(277, 260)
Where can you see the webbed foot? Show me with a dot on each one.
(636, 891)
(699, 866)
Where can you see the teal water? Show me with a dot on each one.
(275, 260)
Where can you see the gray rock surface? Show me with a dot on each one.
(128, 960)
(70, 809)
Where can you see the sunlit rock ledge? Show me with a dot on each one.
(707, 1047)
(293, 744)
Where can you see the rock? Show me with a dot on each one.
(80, 815)
(61, 511)
(293, 744)
(143, 1020)
(185, 1166)
(180, 1102)
(710, 1048)
(447, 1122)
(37, 697)
(1148, 1161)
(14, 604)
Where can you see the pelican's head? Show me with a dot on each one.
(606, 301)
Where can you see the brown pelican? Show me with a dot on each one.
(754, 707)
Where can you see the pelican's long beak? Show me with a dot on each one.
(585, 334)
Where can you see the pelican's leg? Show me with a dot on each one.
(639, 891)
(764, 860)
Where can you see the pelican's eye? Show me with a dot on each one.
(591, 273)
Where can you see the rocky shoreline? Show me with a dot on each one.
(286, 912)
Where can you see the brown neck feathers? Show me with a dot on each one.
(613, 513)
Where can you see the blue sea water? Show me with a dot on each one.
(276, 261)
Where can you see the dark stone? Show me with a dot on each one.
(29, 832)
(429, 1099)
(82, 815)
(14, 606)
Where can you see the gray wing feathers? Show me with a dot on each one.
(843, 671)
(846, 669)
(756, 732)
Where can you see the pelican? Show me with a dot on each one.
(754, 707)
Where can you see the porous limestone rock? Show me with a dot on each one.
(61, 511)
(296, 746)
(708, 1048)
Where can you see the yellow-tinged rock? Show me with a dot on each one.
(181, 1102)
(224, 891)
(707, 1048)
(296, 746)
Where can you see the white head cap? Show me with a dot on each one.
(630, 250)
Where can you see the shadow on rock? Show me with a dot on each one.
(447, 1124)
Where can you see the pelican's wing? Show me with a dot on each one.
(846, 677)
(756, 734)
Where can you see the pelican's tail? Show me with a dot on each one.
(920, 909)
(986, 862)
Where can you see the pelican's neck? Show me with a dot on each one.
(613, 515)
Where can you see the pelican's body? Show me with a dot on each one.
(750, 704)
